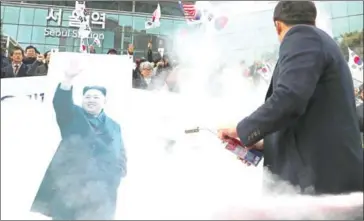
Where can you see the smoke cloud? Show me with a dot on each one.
(195, 177)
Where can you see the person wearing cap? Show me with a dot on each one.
(308, 123)
(82, 180)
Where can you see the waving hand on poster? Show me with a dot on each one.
(74, 68)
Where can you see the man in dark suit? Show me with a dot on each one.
(308, 121)
(16, 68)
(83, 177)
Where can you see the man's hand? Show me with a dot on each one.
(74, 69)
(40, 58)
(150, 45)
(257, 146)
(226, 133)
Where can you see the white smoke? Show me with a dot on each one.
(196, 178)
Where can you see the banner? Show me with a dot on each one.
(75, 137)
(33, 87)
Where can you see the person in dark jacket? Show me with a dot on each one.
(16, 68)
(83, 177)
(40, 66)
(308, 121)
(30, 55)
(4, 60)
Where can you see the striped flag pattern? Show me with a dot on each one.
(189, 11)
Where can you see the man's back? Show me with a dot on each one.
(322, 146)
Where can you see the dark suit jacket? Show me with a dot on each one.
(359, 112)
(37, 69)
(8, 71)
(308, 121)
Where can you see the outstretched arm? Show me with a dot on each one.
(63, 103)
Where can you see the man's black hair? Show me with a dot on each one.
(112, 51)
(99, 88)
(17, 48)
(295, 12)
(31, 47)
(46, 54)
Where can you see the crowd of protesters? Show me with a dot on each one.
(153, 72)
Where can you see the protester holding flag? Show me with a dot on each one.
(155, 21)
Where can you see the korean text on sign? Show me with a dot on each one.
(96, 18)
(54, 15)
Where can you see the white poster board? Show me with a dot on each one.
(30, 131)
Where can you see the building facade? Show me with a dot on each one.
(51, 24)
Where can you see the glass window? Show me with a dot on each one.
(39, 47)
(154, 31)
(139, 54)
(69, 48)
(69, 42)
(23, 46)
(125, 21)
(355, 7)
(108, 41)
(49, 47)
(146, 7)
(40, 16)
(324, 7)
(11, 15)
(356, 23)
(66, 3)
(38, 35)
(167, 27)
(26, 16)
(125, 6)
(170, 8)
(24, 33)
(340, 26)
(179, 24)
(11, 30)
(52, 41)
(66, 15)
(2, 12)
(139, 23)
(40, 2)
(110, 5)
(77, 42)
(112, 21)
(141, 41)
(339, 9)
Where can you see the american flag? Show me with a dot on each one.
(189, 10)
